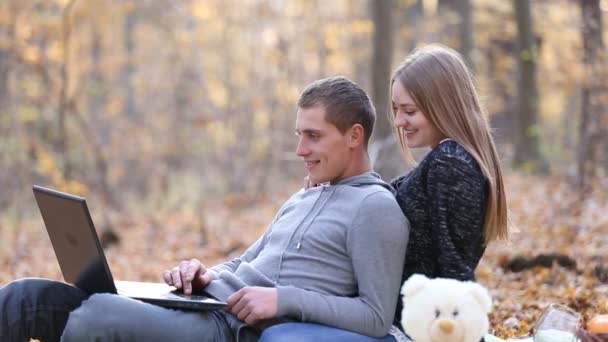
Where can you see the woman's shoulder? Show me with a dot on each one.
(451, 152)
(452, 157)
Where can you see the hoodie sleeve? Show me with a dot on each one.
(376, 243)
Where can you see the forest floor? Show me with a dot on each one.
(557, 253)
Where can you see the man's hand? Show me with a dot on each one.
(252, 304)
(188, 276)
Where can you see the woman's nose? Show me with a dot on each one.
(399, 120)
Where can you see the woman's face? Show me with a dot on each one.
(417, 129)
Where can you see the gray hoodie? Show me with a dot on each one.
(334, 252)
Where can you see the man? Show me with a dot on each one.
(332, 255)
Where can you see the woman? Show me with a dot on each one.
(454, 198)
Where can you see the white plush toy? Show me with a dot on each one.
(444, 310)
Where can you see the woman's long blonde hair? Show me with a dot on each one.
(442, 87)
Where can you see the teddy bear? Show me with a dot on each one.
(444, 310)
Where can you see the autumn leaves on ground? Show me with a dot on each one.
(552, 221)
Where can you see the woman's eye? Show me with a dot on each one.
(455, 313)
(410, 113)
(437, 313)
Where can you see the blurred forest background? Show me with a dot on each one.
(175, 119)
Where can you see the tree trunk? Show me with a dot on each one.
(62, 137)
(465, 10)
(381, 63)
(5, 67)
(593, 112)
(384, 150)
(527, 144)
(412, 21)
(129, 67)
(98, 131)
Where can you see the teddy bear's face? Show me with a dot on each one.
(443, 310)
(447, 317)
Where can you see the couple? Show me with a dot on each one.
(335, 254)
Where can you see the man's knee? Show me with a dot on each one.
(28, 287)
(36, 307)
(30, 293)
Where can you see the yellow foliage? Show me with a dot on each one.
(72, 186)
(261, 120)
(430, 6)
(552, 105)
(114, 105)
(54, 51)
(339, 61)
(602, 306)
(28, 114)
(240, 74)
(220, 134)
(287, 93)
(362, 26)
(48, 167)
(333, 37)
(30, 54)
(4, 17)
(24, 31)
(46, 164)
(203, 10)
(218, 95)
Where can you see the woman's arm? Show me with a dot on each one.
(457, 193)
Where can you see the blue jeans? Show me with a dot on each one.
(310, 332)
(108, 317)
(52, 311)
(36, 308)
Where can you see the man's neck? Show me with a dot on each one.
(359, 166)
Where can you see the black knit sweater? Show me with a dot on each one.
(444, 199)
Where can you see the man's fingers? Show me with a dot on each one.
(234, 298)
(186, 279)
(167, 277)
(251, 319)
(194, 268)
(176, 277)
(188, 275)
(183, 267)
(187, 287)
(243, 313)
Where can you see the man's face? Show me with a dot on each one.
(326, 151)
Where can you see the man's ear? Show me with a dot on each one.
(356, 135)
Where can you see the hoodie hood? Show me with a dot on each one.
(368, 178)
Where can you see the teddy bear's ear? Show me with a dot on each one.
(414, 284)
(482, 296)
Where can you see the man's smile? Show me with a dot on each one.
(311, 163)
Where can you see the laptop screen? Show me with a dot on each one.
(72, 233)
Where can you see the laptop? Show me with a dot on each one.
(83, 262)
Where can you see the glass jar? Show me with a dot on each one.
(558, 323)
